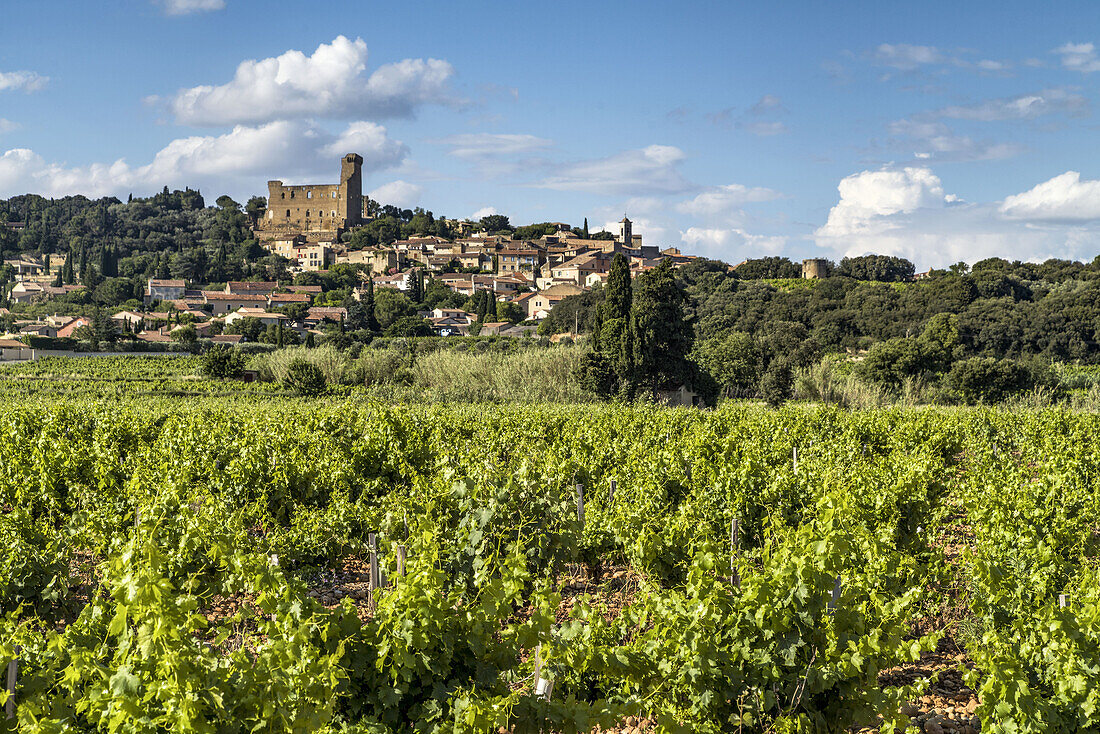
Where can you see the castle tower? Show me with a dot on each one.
(351, 189)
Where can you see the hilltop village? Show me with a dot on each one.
(509, 283)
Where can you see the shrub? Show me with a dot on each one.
(989, 380)
(305, 378)
(594, 374)
(222, 363)
(777, 385)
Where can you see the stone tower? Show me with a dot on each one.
(351, 189)
(815, 268)
(627, 233)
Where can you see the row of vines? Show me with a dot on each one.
(123, 524)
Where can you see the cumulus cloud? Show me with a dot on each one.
(732, 245)
(187, 7)
(654, 169)
(484, 211)
(331, 83)
(907, 213)
(725, 199)
(1079, 57)
(369, 140)
(1019, 107)
(933, 139)
(1064, 198)
(241, 159)
(27, 81)
(398, 193)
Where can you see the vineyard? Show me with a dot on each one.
(269, 564)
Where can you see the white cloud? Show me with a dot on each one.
(1064, 198)
(6, 126)
(907, 57)
(867, 198)
(936, 140)
(186, 7)
(906, 213)
(725, 199)
(28, 81)
(398, 193)
(484, 211)
(654, 169)
(1079, 57)
(369, 140)
(731, 245)
(485, 145)
(1020, 107)
(241, 159)
(332, 83)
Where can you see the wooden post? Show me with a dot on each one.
(13, 675)
(372, 545)
(611, 492)
(735, 537)
(837, 589)
(1062, 600)
(401, 560)
(580, 505)
(794, 458)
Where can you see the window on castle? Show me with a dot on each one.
(282, 195)
(291, 194)
(307, 213)
(309, 194)
(288, 214)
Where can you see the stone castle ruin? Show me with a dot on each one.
(315, 212)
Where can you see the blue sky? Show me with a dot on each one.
(937, 131)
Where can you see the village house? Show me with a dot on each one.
(10, 349)
(250, 288)
(579, 268)
(540, 304)
(36, 329)
(264, 316)
(70, 328)
(319, 314)
(224, 303)
(283, 299)
(518, 260)
(164, 290)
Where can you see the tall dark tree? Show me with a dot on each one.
(368, 307)
(660, 334)
(416, 293)
(586, 227)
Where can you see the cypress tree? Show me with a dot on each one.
(660, 335)
(617, 302)
(368, 306)
(586, 227)
(415, 294)
(612, 334)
